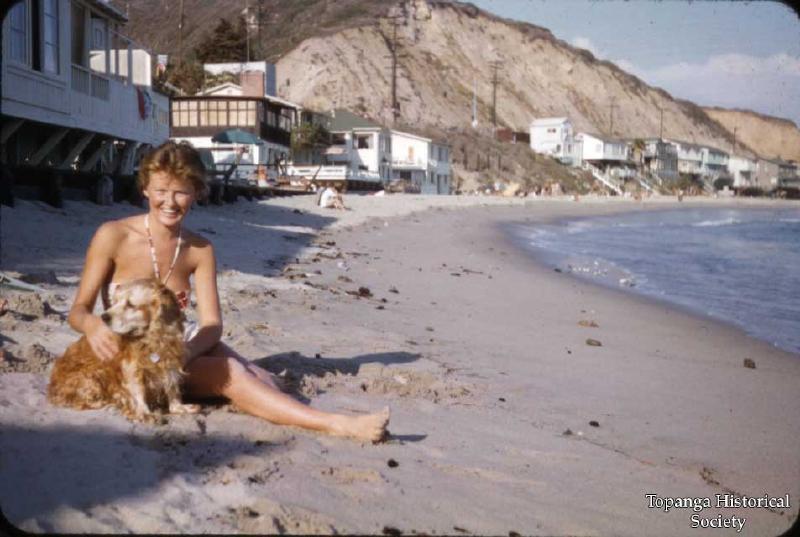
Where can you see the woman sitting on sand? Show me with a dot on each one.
(156, 245)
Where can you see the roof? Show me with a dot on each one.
(401, 133)
(211, 90)
(108, 9)
(602, 137)
(344, 120)
(284, 102)
(549, 121)
(685, 144)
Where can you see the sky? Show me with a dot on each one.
(733, 54)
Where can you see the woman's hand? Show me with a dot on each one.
(101, 339)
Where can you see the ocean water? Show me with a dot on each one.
(741, 266)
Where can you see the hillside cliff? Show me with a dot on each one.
(768, 136)
(447, 47)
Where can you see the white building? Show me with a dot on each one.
(743, 170)
(715, 166)
(690, 158)
(602, 149)
(76, 91)
(554, 136)
(422, 161)
(362, 146)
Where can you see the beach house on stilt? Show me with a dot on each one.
(78, 104)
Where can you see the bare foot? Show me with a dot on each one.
(370, 427)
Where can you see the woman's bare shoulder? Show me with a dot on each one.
(117, 229)
(196, 240)
(115, 233)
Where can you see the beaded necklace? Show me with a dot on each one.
(153, 251)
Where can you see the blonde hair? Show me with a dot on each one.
(178, 159)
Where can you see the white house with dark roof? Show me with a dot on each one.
(360, 152)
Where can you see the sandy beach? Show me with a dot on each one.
(503, 419)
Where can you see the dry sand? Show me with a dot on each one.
(477, 349)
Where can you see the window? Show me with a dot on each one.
(18, 38)
(338, 138)
(50, 36)
(78, 35)
(285, 119)
(192, 113)
(203, 113)
(99, 41)
(364, 141)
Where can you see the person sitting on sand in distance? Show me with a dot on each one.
(156, 244)
(330, 198)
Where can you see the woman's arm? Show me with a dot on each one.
(99, 264)
(205, 281)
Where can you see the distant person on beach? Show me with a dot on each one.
(155, 245)
(330, 198)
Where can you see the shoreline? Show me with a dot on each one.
(475, 346)
(548, 259)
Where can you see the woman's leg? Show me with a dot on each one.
(223, 372)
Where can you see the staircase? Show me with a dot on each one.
(646, 184)
(603, 178)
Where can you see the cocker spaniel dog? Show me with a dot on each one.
(144, 377)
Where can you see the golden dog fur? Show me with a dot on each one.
(145, 375)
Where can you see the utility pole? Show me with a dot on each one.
(495, 65)
(394, 44)
(259, 22)
(611, 117)
(247, 30)
(180, 34)
(734, 140)
(661, 128)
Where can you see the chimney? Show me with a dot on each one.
(252, 83)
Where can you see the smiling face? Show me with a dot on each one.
(170, 198)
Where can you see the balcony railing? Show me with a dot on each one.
(81, 80)
(90, 83)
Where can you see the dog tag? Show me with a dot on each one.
(155, 358)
